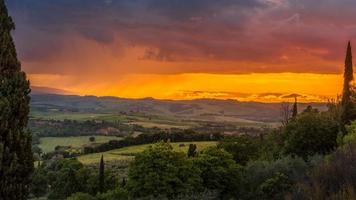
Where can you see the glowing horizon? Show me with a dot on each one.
(271, 87)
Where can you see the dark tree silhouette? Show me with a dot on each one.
(16, 162)
(347, 105)
(192, 151)
(101, 175)
(123, 183)
(285, 113)
(295, 108)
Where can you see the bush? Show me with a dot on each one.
(68, 176)
(272, 146)
(219, 172)
(159, 171)
(92, 139)
(272, 179)
(334, 178)
(39, 184)
(351, 133)
(311, 133)
(243, 148)
(275, 187)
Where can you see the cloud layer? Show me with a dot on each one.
(184, 49)
(183, 36)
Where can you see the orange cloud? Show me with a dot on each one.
(271, 87)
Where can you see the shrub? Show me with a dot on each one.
(219, 172)
(334, 178)
(275, 187)
(39, 184)
(272, 179)
(159, 171)
(272, 146)
(243, 148)
(351, 133)
(311, 133)
(68, 176)
(92, 139)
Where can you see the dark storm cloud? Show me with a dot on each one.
(96, 17)
(262, 31)
(174, 27)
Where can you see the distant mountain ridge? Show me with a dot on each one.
(198, 109)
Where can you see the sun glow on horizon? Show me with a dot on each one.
(262, 87)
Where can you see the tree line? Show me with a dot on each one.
(148, 138)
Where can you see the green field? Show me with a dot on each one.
(47, 144)
(160, 125)
(147, 121)
(71, 115)
(127, 153)
(163, 121)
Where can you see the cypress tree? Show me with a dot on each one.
(295, 108)
(16, 161)
(123, 183)
(192, 151)
(346, 102)
(101, 175)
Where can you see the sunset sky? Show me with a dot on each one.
(249, 50)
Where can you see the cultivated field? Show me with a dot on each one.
(128, 153)
(47, 144)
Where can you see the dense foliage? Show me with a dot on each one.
(161, 172)
(242, 148)
(64, 177)
(219, 172)
(332, 178)
(16, 163)
(310, 133)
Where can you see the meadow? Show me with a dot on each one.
(147, 121)
(47, 144)
(128, 153)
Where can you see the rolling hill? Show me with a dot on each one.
(43, 104)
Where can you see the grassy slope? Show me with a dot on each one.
(160, 125)
(128, 153)
(111, 108)
(49, 143)
(164, 122)
(61, 115)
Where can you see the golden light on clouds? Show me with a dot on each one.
(265, 87)
(129, 74)
(247, 50)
